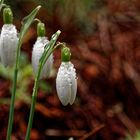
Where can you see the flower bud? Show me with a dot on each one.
(66, 54)
(66, 81)
(41, 29)
(37, 52)
(7, 16)
(8, 44)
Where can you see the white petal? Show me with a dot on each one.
(73, 83)
(8, 44)
(66, 83)
(62, 90)
(47, 67)
(74, 91)
(37, 52)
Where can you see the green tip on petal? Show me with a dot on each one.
(41, 29)
(65, 54)
(7, 16)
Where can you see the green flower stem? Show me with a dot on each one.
(34, 96)
(28, 21)
(49, 48)
(11, 113)
(33, 102)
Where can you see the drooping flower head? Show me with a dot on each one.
(38, 50)
(66, 81)
(8, 39)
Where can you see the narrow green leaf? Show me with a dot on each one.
(27, 21)
(49, 47)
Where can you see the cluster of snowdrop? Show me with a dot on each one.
(42, 62)
(66, 83)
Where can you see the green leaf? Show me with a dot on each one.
(27, 21)
(6, 72)
(49, 47)
(45, 87)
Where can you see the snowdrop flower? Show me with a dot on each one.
(66, 81)
(38, 50)
(8, 39)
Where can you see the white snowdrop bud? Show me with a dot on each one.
(66, 81)
(8, 44)
(37, 52)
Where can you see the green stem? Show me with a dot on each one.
(34, 96)
(11, 114)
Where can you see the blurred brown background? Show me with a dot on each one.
(103, 36)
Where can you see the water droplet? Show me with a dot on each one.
(70, 84)
(53, 35)
(62, 96)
